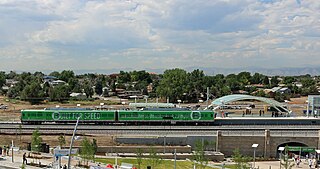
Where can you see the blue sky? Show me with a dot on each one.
(144, 34)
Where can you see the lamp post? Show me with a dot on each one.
(72, 139)
(280, 149)
(164, 144)
(254, 146)
(175, 158)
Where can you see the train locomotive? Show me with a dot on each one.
(126, 117)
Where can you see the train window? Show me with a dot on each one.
(211, 115)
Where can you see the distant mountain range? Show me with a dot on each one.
(213, 70)
(266, 71)
(314, 71)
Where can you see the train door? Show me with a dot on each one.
(116, 116)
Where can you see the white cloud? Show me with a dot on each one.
(159, 34)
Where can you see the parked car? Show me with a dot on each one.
(3, 106)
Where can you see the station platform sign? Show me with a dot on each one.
(302, 149)
(64, 152)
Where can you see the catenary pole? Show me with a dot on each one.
(72, 139)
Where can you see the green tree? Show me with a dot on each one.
(242, 162)
(32, 93)
(288, 80)
(87, 87)
(87, 150)
(266, 80)
(257, 78)
(196, 84)
(2, 79)
(11, 75)
(59, 93)
(74, 85)
(154, 158)
(274, 81)
(199, 154)
(94, 145)
(66, 75)
(124, 77)
(173, 84)
(98, 87)
(62, 140)
(55, 74)
(244, 78)
(13, 92)
(285, 162)
(139, 155)
(36, 141)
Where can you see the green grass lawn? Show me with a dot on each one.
(233, 166)
(145, 162)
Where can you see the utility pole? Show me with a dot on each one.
(175, 158)
(207, 96)
(72, 139)
(12, 150)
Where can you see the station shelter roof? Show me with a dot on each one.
(237, 97)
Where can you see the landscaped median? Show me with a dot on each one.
(160, 164)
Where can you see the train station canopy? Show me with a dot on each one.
(237, 97)
(158, 105)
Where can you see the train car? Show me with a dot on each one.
(148, 117)
(66, 116)
(178, 117)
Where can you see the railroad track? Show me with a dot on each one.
(51, 126)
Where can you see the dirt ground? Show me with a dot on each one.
(102, 140)
(297, 105)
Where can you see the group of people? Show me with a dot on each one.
(310, 161)
(248, 112)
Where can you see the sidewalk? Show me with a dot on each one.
(7, 163)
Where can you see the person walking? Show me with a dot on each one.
(24, 159)
(310, 163)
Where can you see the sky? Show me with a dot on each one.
(158, 34)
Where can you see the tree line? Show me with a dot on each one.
(174, 84)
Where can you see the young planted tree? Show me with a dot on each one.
(285, 160)
(87, 150)
(139, 154)
(62, 140)
(199, 154)
(94, 145)
(154, 158)
(36, 141)
(242, 162)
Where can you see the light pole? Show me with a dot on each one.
(164, 145)
(175, 158)
(280, 149)
(72, 139)
(254, 146)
